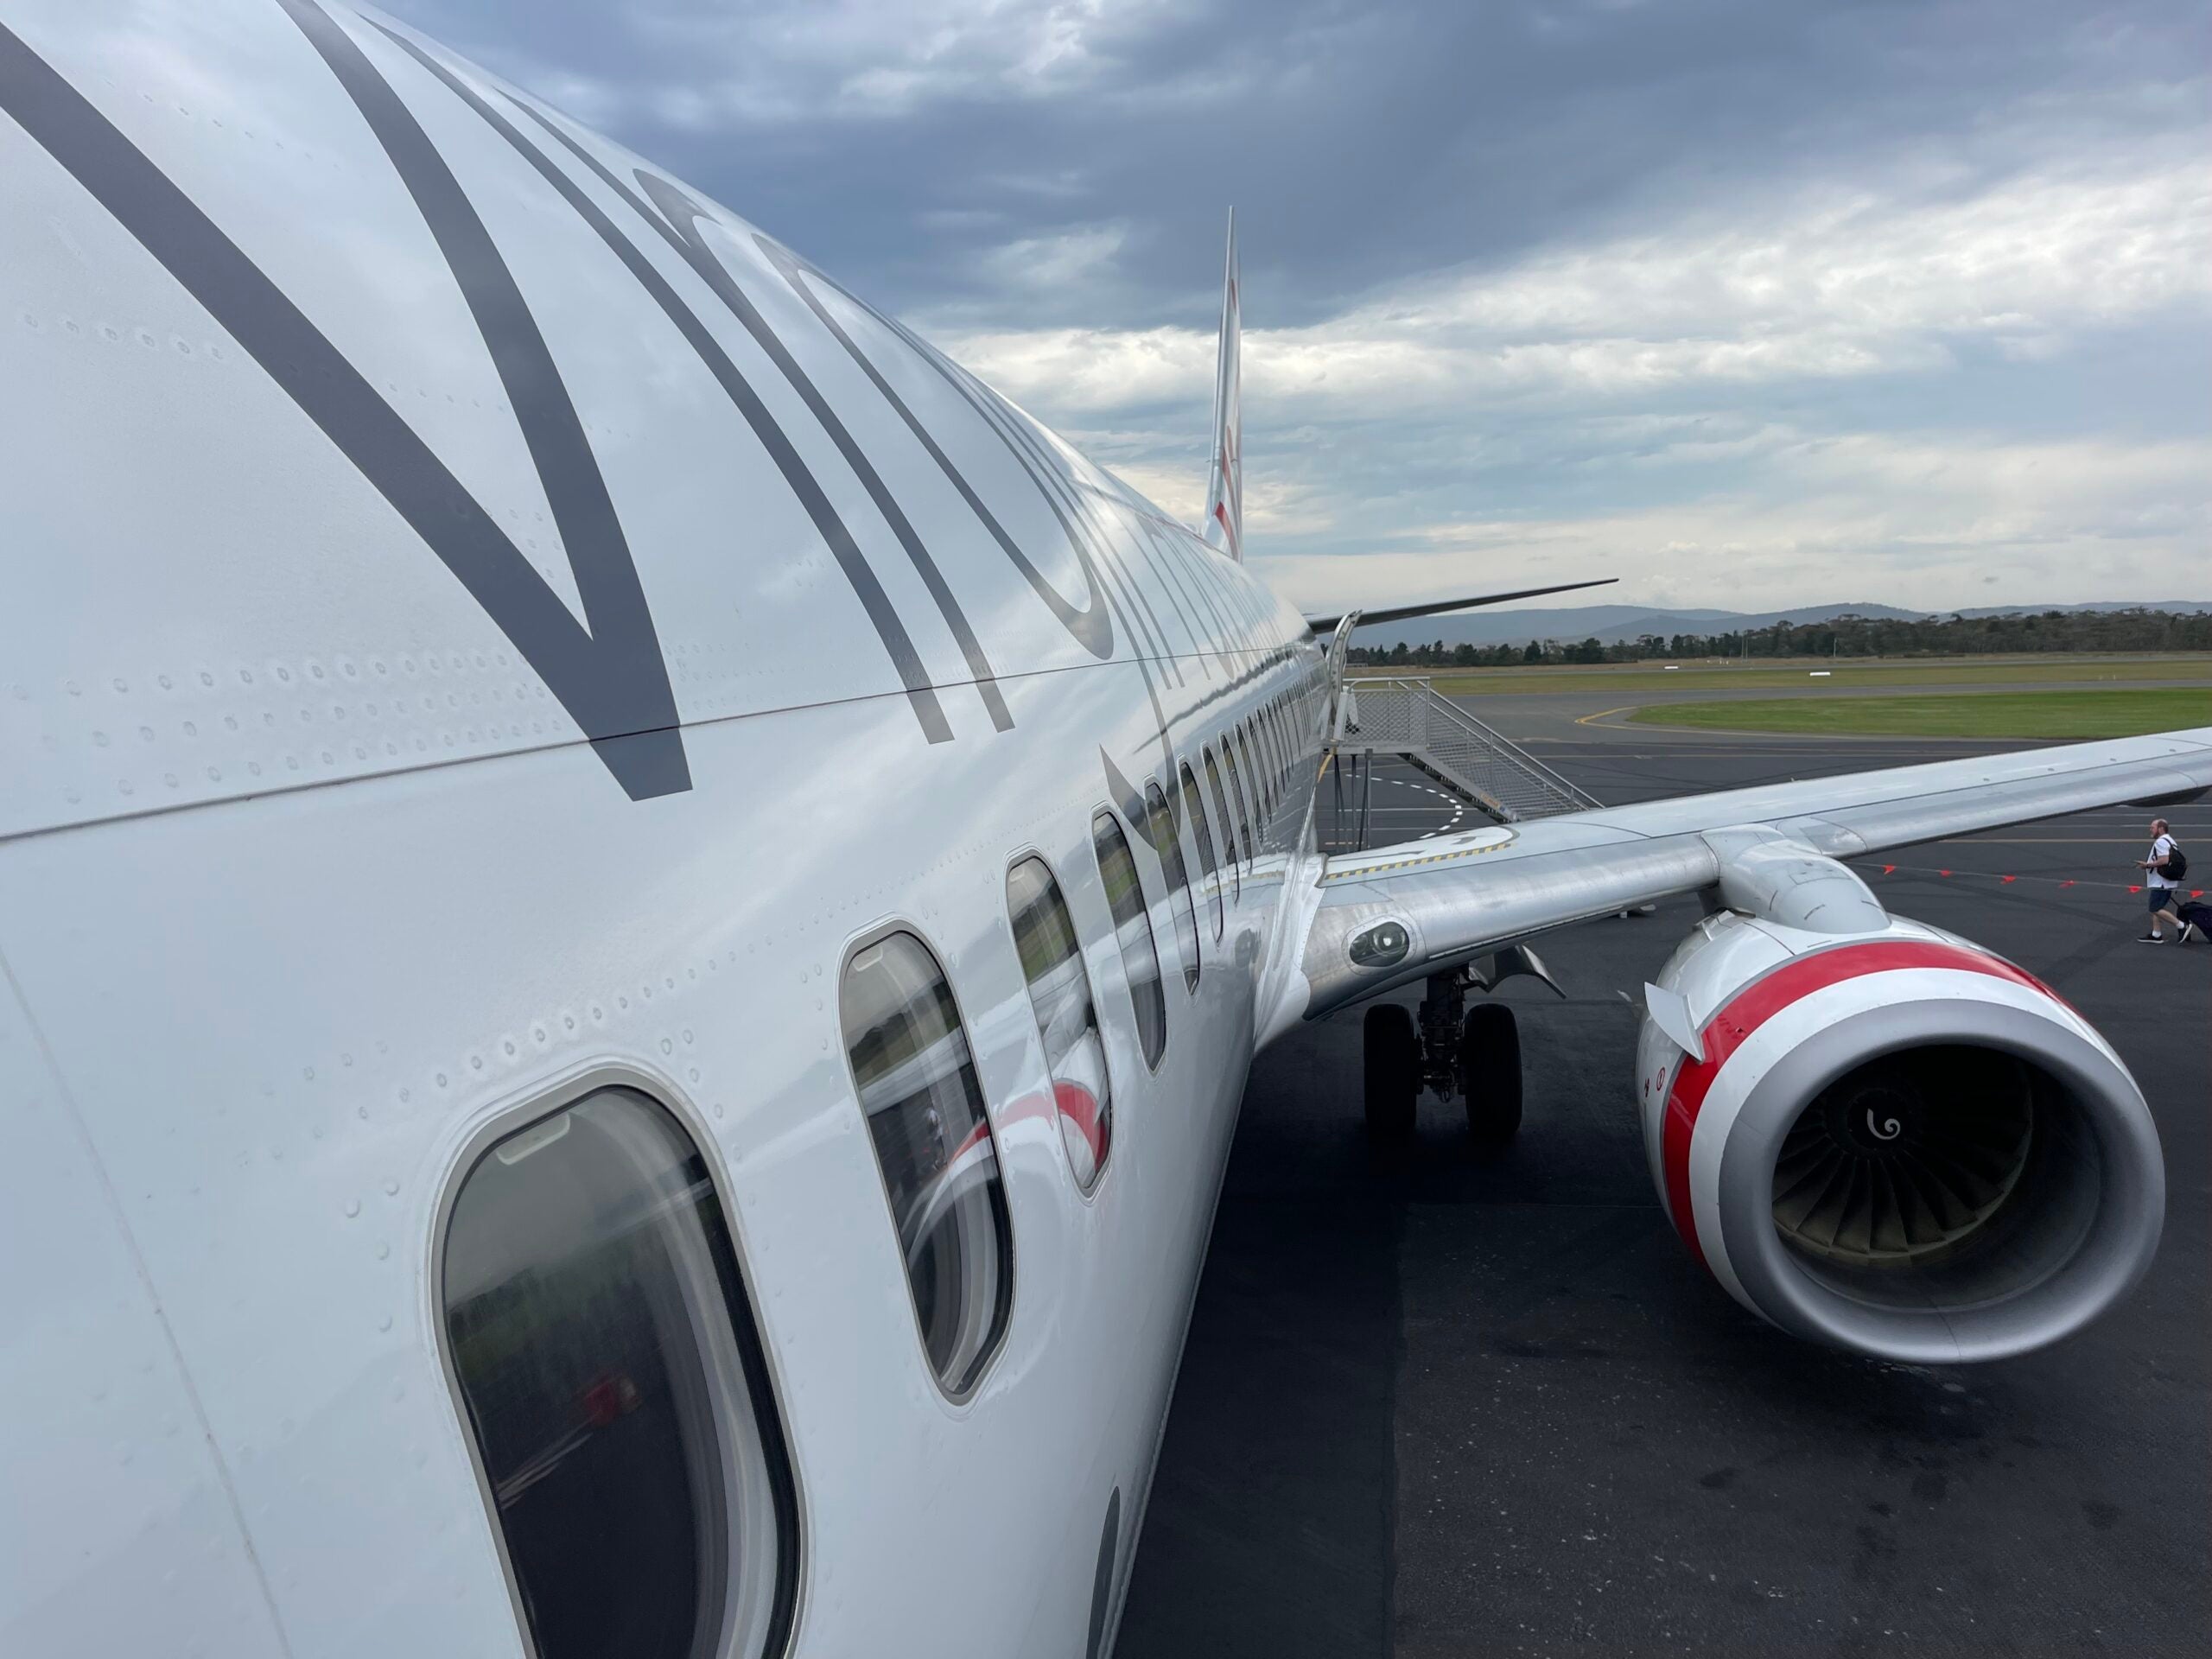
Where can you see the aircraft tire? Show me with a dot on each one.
(1489, 1071)
(1390, 1050)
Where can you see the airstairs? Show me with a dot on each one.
(1408, 717)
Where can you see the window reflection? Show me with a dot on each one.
(1258, 780)
(1117, 871)
(1067, 1021)
(925, 1112)
(1228, 825)
(1236, 796)
(1168, 845)
(1204, 831)
(607, 1362)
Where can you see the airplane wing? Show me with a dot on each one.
(1438, 606)
(1396, 913)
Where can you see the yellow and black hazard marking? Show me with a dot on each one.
(1364, 871)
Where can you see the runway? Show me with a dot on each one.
(1447, 1404)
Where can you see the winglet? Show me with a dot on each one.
(1224, 525)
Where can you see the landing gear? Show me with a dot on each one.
(1392, 1055)
(1489, 1072)
(1453, 1050)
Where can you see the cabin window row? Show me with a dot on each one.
(916, 1079)
(599, 1333)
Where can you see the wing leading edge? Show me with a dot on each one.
(1438, 606)
(1461, 896)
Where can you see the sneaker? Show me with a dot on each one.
(2152, 938)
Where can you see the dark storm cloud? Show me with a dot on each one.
(1362, 143)
(1689, 266)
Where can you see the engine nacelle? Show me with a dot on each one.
(1893, 1141)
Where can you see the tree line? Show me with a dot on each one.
(2017, 633)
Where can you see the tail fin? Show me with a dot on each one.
(1224, 525)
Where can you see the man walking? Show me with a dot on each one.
(2159, 887)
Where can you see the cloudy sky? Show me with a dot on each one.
(1750, 304)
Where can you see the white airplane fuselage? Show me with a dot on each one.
(309, 873)
(632, 914)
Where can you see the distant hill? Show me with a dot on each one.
(2190, 605)
(1610, 624)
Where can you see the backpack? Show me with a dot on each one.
(2177, 862)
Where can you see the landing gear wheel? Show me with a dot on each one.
(1392, 1056)
(1489, 1071)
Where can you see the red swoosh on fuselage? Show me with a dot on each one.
(1078, 1105)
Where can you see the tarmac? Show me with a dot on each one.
(1445, 1402)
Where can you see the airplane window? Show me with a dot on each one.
(1067, 1023)
(1236, 797)
(1118, 868)
(606, 1364)
(1169, 845)
(924, 1113)
(1254, 780)
(1228, 826)
(1204, 832)
(1260, 807)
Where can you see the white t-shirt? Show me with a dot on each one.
(2159, 848)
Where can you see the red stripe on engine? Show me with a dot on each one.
(1763, 999)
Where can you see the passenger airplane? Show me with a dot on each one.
(634, 915)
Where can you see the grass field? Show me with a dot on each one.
(1991, 714)
(1796, 674)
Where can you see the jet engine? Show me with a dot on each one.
(1885, 1138)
